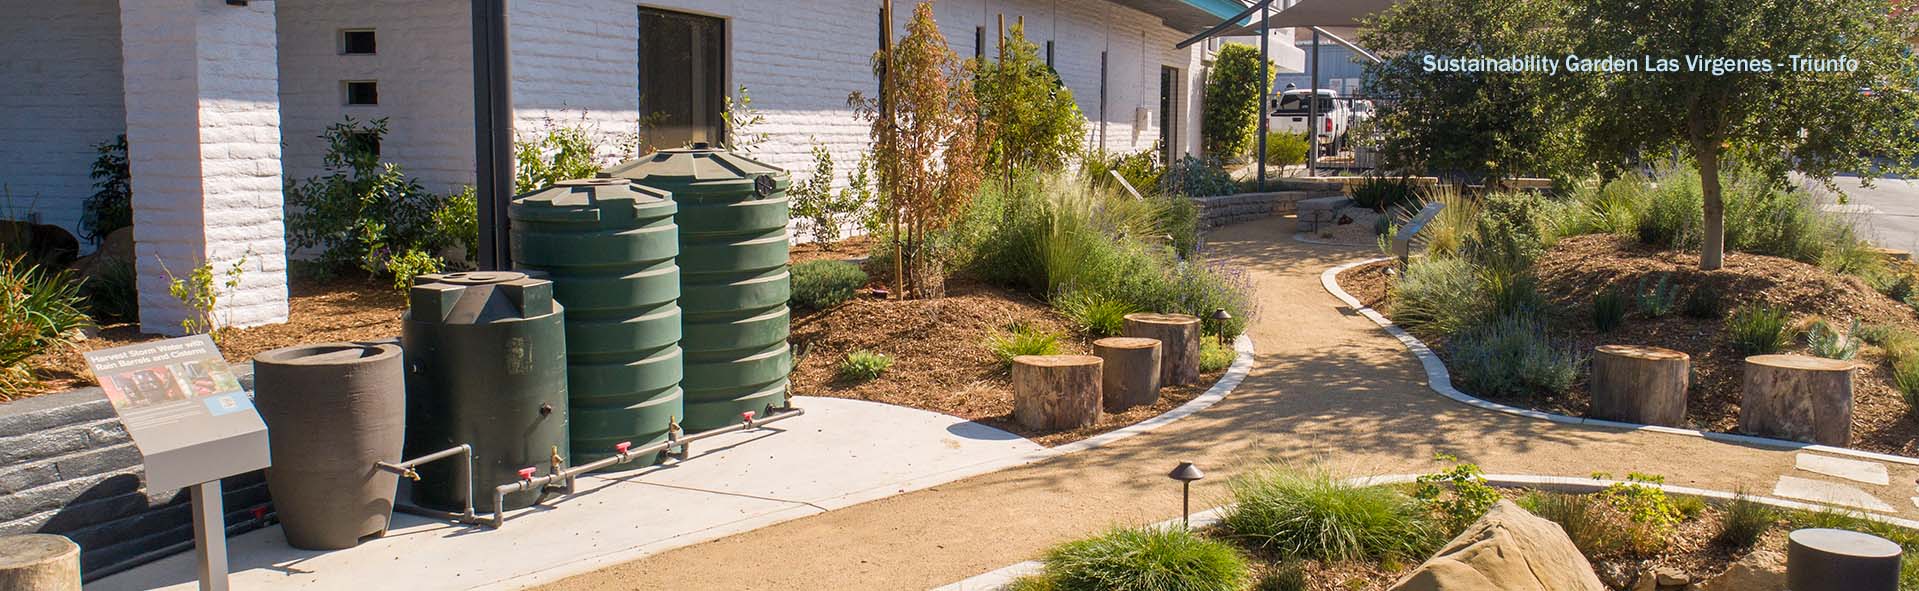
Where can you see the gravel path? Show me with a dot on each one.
(1328, 385)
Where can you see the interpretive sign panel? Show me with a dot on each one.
(184, 408)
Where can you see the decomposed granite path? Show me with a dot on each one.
(1328, 385)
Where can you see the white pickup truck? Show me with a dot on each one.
(1289, 111)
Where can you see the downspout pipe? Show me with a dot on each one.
(492, 133)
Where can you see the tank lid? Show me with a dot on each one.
(477, 277)
(587, 200)
(696, 165)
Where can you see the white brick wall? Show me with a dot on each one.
(202, 119)
(801, 60)
(61, 96)
(423, 66)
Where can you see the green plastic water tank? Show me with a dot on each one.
(733, 280)
(485, 359)
(608, 246)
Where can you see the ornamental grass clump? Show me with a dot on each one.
(1022, 340)
(38, 309)
(1306, 513)
(1439, 294)
(1609, 310)
(1758, 329)
(1144, 559)
(1743, 521)
(1098, 315)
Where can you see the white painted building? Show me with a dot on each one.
(223, 100)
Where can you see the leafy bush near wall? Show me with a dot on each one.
(111, 205)
(1231, 110)
(1036, 124)
(825, 212)
(1141, 170)
(555, 153)
(367, 214)
(1193, 176)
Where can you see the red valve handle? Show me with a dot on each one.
(622, 446)
(259, 512)
(527, 473)
(746, 417)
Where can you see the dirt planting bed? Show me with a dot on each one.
(1577, 269)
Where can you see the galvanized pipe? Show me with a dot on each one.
(673, 440)
(405, 468)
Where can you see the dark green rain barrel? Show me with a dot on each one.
(608, 246)
(733, 280)
(485, 356)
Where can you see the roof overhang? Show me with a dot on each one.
(1187, 16)
(1317, 13)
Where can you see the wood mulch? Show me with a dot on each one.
(1577, 269)
(343, 309)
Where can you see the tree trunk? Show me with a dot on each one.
(1056, 392)
(1799, 398)
(1640, 384)
(1712, 252)
(1178, 336)
(40, 562)
(1131, 376)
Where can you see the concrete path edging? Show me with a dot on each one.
(997, 579)
(1440, 380)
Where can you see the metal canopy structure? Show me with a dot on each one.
(1261, 17)
(1187, 16)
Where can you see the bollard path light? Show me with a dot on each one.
(1186, 473)
(1221, 316)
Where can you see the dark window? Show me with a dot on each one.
(1168, 102)
(364, 92)
(682, 79)
(979, 42)
(1049, 54)
(360, 42)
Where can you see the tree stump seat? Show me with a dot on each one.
(1131, 375)
(1178, 336)
(40, 562)
(1056, 392)
(1799, 398)
(1640, 384)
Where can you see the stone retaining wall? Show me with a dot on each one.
(1226, 210)
(68, 467)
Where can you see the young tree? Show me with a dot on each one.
(928, 147)
(1853, 114)
(1475, 126)
(1232, 102)
(1034, 121)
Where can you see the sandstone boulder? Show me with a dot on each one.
(1506, 550)
(1759, 571)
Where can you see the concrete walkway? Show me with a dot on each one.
(1328, 385)
(840, 453)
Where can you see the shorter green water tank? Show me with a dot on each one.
(485, 361)
(608, 246)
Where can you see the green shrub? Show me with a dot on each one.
(110, 207)
(1031, 583)
(112, 293)
(1609, 310)
(1140, 169)
(1200, 288)
(863, 366)
(1450, 231)
(1586, 521)
(1459, 494)
(1612, 207)
(1510, 232)
(38, 309)
(823, 284)
(1232, 107)
(1743, 522)
(363, 213)
(1671, 217)
(1511, 291)
(1146, 559)
(554, 153)
(1827, 342)
(1758, 329)
(1035, 123)
(1656, 298)
(1652, 513)
(1285, 576)
(403, 267)
(1306, 513)
(1179, 219)
(1283, 149)
(823, 211)
(1214, 358)
(1380, 193)
(1098, 315)
(1022, 340)
(1440, 294)
(1704, 302)
(1192, 176)
(1905, 377)
(1513, 357)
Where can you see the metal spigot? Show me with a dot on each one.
(411, 474)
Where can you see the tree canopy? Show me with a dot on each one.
(1231, 110)
(1032, 115)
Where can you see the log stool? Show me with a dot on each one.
(1640, 384)
(1056, 392)
(1799, 398)
(40, 562)
(1178, 336)
(1131, 376)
